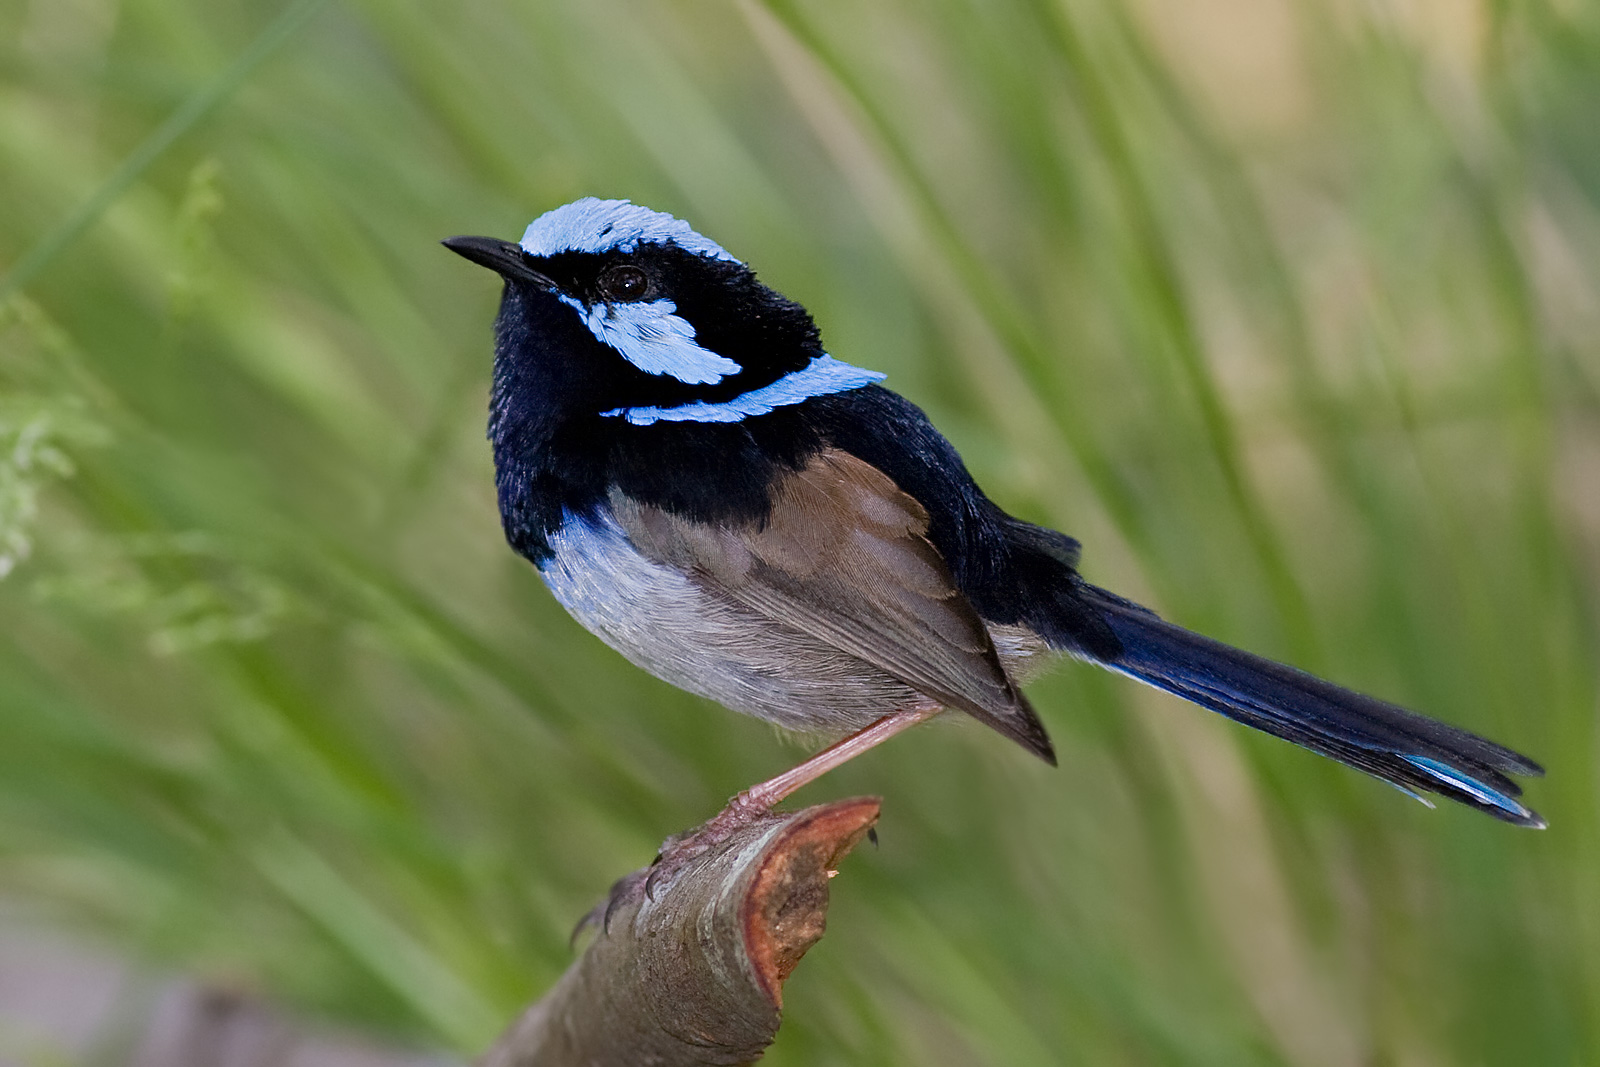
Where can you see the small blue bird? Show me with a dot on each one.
(734, 510)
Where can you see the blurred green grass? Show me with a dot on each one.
(1287, 310)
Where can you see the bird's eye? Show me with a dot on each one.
(624, 283)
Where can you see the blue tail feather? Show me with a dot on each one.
(1415, 754)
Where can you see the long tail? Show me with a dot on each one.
(1412, 753)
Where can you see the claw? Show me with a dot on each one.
(652, 879)
(590, 918)
(623, 890)
(677, 852)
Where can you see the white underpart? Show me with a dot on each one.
(662, 621)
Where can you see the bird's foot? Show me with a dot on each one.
(676, 855)
(680, 850)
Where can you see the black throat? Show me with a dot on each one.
(556, 455)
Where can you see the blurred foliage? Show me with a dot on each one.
(1288, 310)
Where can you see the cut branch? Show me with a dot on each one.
(695, 976)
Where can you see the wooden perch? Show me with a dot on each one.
(696, 975)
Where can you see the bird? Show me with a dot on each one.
(705, 488)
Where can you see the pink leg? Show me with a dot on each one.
(753, 804)
(762, 796)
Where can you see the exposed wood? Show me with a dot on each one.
(695, 975)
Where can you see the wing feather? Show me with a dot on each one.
(844, 556)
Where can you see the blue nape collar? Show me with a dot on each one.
(822, 376)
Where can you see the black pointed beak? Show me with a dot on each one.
(503, 257)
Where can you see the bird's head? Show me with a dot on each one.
(617, 311)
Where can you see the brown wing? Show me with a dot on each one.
(844, 556)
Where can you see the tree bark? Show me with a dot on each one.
(696, 975)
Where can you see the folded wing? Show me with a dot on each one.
(844, 556)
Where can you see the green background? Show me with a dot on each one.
(1290, 311)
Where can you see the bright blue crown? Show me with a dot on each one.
(594, 225)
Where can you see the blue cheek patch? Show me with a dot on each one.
(822, 376)
(592, 225)
(655, 339)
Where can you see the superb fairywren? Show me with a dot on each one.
(734, 510)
